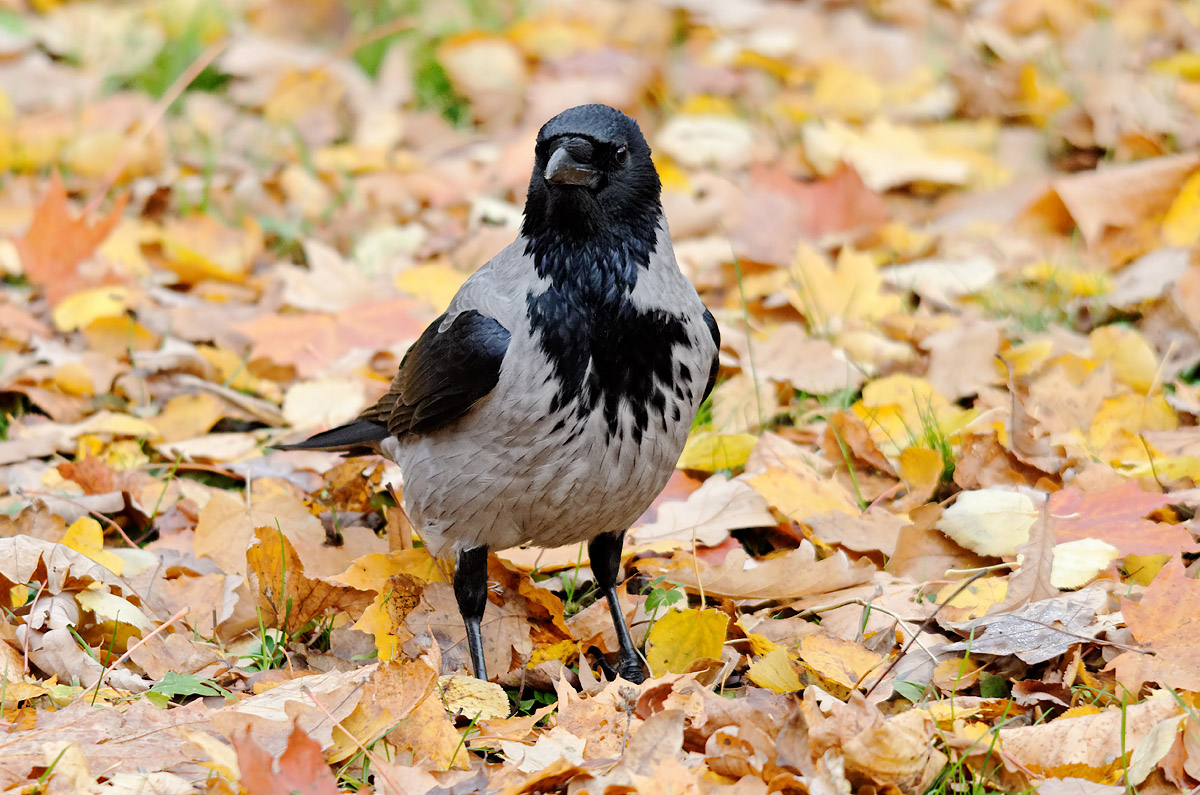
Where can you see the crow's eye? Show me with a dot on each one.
(622, 155)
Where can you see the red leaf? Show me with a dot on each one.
(1117, 516)
(56, 242)
(311, 342)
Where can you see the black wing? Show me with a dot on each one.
(443, 374)
(711, 322)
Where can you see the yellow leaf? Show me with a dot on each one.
(1074, 281)
(798, 494)
(371, 572)
(118, 335)
(74, 378)
(1133, 361)
(681, 637)
(1181, 225)
(974, 600)
(1025, 359)
(377, 621)
(565, 651)
(1142, 569)
(1165, 468)
(125, 454)
(1040, 96)
(845, 92)
(235, 375)
(901, 411)
(199, 247)
(1116, 425)
(920, 469)
(775, 671)
(707, 104)
(188, 416)
(709, 451)
(671, 175)
(87, 538)
(944, 713)
(849, 290)
(80, 309)
(1184, 63)
(841, 661)
(435, 282)
(759, 644)
(473, 697)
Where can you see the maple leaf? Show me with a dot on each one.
(300, 768)
(56, 242)
(1117, 516)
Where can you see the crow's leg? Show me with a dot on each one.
(470, 589)
(605, 553)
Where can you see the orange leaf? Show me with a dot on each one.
(56, 242)
(300, 768)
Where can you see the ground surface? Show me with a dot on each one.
(952, 248)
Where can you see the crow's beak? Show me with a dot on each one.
(563, 169)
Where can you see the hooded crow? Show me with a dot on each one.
(551, 401)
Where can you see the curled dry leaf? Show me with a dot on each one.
(1089, 746)
(707, 515)
(786, 576)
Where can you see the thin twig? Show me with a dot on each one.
(927, 622)
(96, 514)
(153, 119)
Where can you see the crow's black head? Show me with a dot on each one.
(592, 179)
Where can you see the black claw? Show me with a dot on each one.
(631, 672)
(603, 664)
(604, 551)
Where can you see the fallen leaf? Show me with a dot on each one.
(56, 244)
(300, 768)
(681, 637)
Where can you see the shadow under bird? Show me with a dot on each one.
(551, 401)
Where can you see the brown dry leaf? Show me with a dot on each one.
(873, 531)
(289, 599)
(429, 734)
(786, 576)
(392, 692)
(895, 751)
(1164, 621)
(317, 702)
(1088, 746)
(707, 515)
(142, 737)
(789, 355)
(1119, 197)
(1033, 579)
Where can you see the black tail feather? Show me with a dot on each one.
(358, 436)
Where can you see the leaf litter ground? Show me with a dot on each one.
(933, 532)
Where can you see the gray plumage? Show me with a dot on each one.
(551, 401)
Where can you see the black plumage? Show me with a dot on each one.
(550, 402)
